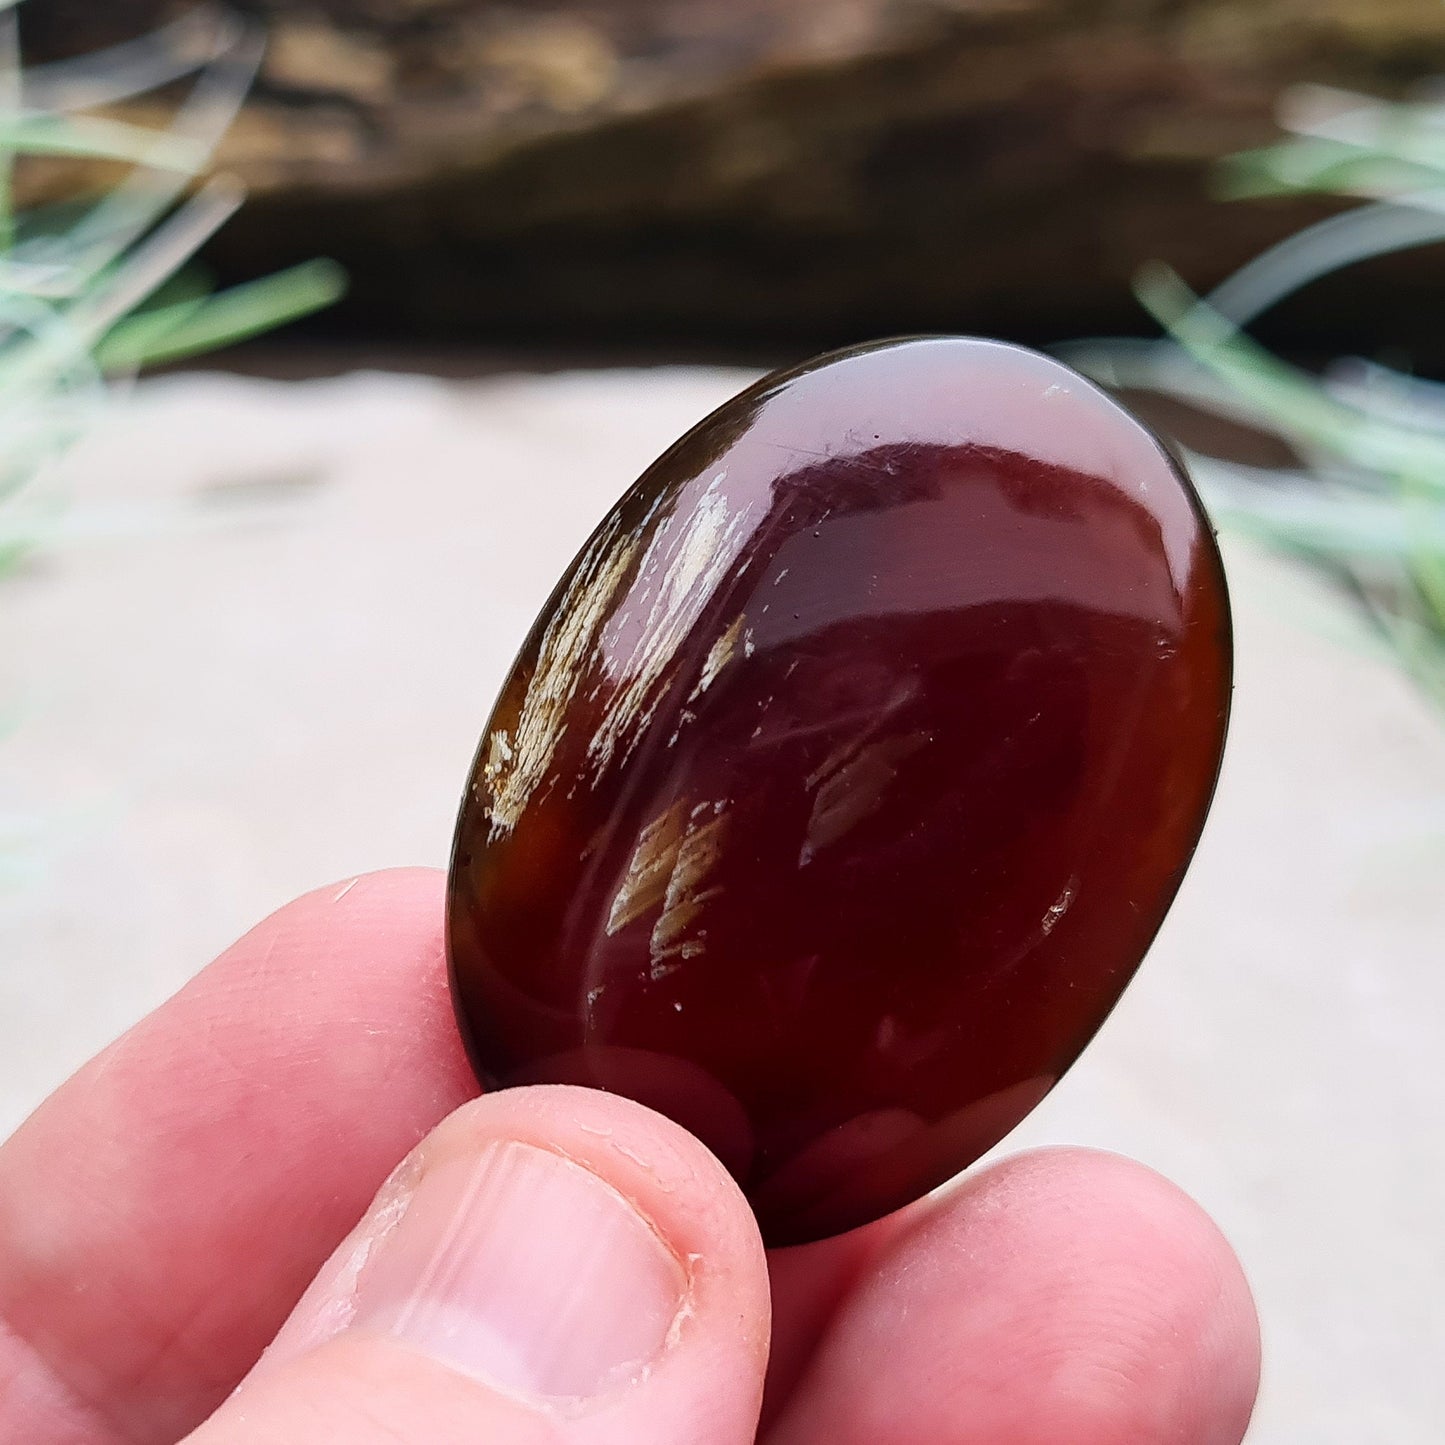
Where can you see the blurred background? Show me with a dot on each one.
(762, 176)
(328, 329)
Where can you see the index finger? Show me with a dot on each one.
(162, 1212)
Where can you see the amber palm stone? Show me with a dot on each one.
(848, 773)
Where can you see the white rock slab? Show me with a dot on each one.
(283, 686)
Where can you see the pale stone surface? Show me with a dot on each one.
(285, 688)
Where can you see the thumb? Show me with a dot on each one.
(549, 1265)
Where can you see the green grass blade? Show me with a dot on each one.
(1311, 166)
(134, 67)
(150, 264)
(84, 246)
(9, 108)
(1330, 245)
(1285, 397)
(97, 138)
(188, 328)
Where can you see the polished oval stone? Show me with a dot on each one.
(848, 773)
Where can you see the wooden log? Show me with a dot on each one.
(761, 169)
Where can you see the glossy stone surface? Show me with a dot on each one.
(849, 772)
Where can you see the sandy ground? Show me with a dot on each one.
(280, 682)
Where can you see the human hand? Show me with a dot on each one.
(546, 1265)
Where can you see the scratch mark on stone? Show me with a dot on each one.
(1060, 906)
(685, 566)
(517, 764)
(718, 656)
(697, 857)
(852, 788)
(644, 885)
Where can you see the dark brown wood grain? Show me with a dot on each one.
(764, 168)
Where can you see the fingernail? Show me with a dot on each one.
(527, 1270)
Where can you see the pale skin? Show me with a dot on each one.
(164, 1211)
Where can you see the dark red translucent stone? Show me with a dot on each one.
(848, 773)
